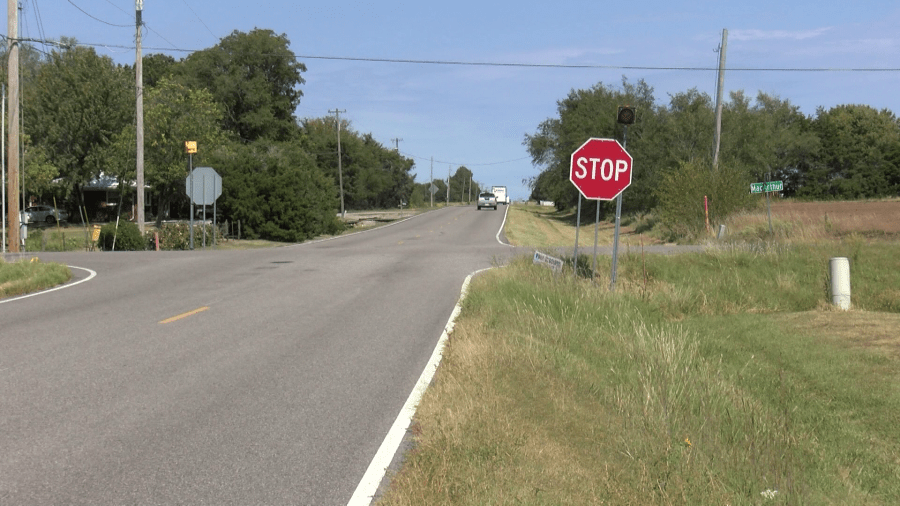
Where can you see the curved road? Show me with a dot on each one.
(227, 377)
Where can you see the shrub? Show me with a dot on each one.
(127, 237)
(177, 236)
(681, 191)
(174, 236)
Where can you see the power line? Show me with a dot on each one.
(526, 65)
(199, 19)
(96, 18)
(568, 66)
(467, 164)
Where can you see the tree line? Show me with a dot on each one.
(237, 99)
(846, 152)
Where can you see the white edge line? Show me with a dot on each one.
(368, 485)
(91, 275)
(501, 227)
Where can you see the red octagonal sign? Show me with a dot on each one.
(601, 169)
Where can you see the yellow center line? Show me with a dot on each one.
(184, 315)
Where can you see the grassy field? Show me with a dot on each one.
(718, 378)
(545, 227)
(17, 278)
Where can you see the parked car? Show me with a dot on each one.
(42, 213)
(487, 199)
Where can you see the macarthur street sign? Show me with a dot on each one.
(768, 186)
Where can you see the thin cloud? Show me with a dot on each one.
(776, 34)
(560, 56)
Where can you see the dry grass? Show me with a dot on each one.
(718, 378)
(805, 222)
(877, 332)
(544, 227)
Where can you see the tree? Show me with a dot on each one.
(275, 190)
(772, 138)
(30, 62)
(157, 67)
(682, 189)
(373, 175)
(584, 114)
(173, 114)
(256, 77)
(459, 185)
(79, 102)
(859, 154)
(39, 174)
(687, 127)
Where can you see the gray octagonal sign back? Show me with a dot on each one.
(203, 185)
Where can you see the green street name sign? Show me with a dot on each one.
(768, 186)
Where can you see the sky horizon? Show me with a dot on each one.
(367, 58)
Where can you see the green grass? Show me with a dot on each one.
(17, 278)
(716, 378)
(52, 238)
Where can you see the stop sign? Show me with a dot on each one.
(601, 169)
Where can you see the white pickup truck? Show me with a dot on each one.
(500, 192)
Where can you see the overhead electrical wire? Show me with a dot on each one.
(86, 13)
(200, 20)
(464, 164)
(525, 65)
(585, 66)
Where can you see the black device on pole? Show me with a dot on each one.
(625, 115)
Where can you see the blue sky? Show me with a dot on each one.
(477, 116)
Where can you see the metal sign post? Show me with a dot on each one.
(596, 232)
(615, 254)
(577, 229)
(190, 147)
(767, 187)
(205, 193)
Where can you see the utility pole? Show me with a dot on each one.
(12, 48)
(139, 86)
(720, 85)
(448, 185)
(431, 182)
(396, 142)
(337, 113)
(3, 161)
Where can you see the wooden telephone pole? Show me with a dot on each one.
(720, 86)
(337, 113)
(139, 113)
(12, 202)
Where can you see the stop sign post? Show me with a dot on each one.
(601, 170)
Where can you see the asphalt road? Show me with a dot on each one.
(227, 377)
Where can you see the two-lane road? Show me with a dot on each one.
(227, 377)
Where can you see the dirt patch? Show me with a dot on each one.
(860, 329)
(873, 216)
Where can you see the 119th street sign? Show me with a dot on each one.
(601, 169)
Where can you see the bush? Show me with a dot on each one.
(177, 236)
(681, 191)
(126, 238)
(174, 236)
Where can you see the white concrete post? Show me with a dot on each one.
(840, 282)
